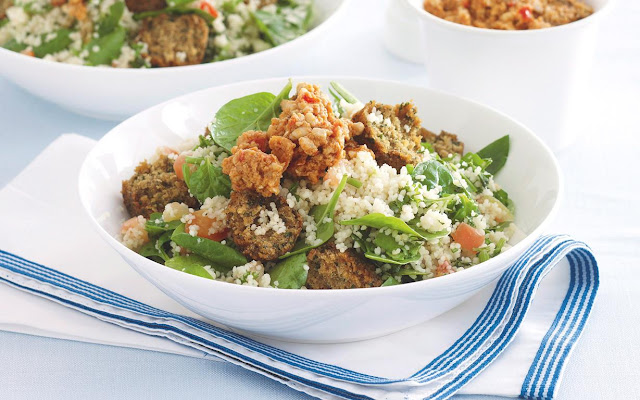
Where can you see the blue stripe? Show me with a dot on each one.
(115, 300)
(495, 310)
(572, 297)
(510, 295)
(478, 365)
(581, 260)
(197, 339)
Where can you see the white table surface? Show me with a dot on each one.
(600, 207)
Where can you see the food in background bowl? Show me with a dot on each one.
(509, 14)
(301, 192)
(138, 34)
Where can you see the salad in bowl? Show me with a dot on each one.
(292, 190)
(318, 211)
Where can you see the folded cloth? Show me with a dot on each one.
(487, 337)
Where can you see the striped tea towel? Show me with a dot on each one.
(470, 342)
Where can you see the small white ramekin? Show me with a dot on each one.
(535, 76)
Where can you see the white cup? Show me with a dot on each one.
(536, 76)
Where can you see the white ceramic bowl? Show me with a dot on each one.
(531, 177)
(113, 93)
(537, 76)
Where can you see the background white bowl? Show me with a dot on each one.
(114, 93)
(531, 177)
(538, 76)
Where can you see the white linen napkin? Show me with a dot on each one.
(45, 224)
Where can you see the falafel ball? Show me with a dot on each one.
(136, 6)
(393, 134)
(153, 186)
(244, 212)
(175, 40)
(329, 268)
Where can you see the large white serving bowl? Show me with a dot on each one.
(115, 93)
(531, 177)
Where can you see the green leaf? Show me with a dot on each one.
(342, 93)
(206, 181)
(111, 19)
(464, 209)
(324, 229)
(497, 151)
(475, 160)
(252, 112)
(381, 221)
(391, 281)
(388, 245)
(503, 198)
(4, 22)
(290, 273)
(406, 272)
(220, 256)
(155, 248)
(156, 225)
(60, 42)
(14, 45)
(108, 46)
(386, 260)
(286, 24)
(192, 264)
(433, 173)
(354, 182)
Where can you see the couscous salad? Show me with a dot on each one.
(293, 190)
(149, 33)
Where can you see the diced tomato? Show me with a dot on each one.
(207, 7)
(468, 238)
(525, 12)
(443, 269)
(310, 99)
(204, 223)
(179, 162)
(135, 224)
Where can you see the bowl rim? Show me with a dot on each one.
(493, 263)
(254, 57)
(427, 16)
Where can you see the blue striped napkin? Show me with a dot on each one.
(440, 378)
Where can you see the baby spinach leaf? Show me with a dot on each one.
(111, 19)
(503, 198)
(60, 42)
(497, 151)
(354, 182)
(192, 264)
(108, 47)
(475, 160)
(380, 221)
(406, 272)
(324, 228)
(13, 45)
(220, 256)
(389, 245)
(286, 24)
(290, 273)
(339, 92)
(156, 225)
(155, 248)
(433, 173)
(391, 281)
(206, 181)
(252, 112)
(465, 209)
(386, 260)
